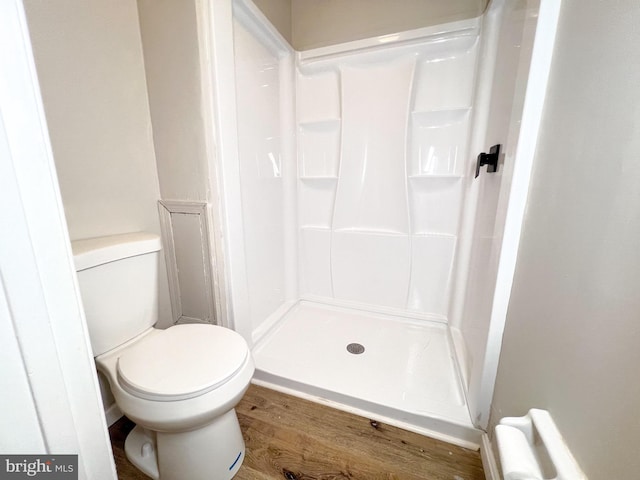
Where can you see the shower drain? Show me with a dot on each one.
(355, 348)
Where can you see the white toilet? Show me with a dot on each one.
(179, 385)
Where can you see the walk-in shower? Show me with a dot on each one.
(362, 254)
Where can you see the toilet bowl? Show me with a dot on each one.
(179, 385)
(176, 385)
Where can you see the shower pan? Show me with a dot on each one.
(364, 262)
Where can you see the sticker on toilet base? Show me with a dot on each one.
(235, 461)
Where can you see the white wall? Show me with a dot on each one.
(320, 23)
(572, 332)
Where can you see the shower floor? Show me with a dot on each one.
(406, 374)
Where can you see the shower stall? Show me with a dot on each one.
(365, 262)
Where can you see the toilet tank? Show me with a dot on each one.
(118, 277)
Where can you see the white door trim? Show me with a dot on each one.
(39, 298)
(215, 24)
(537, 82)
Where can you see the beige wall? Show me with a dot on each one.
(279, 14)
(90, 67)
(318, 23)
(89, 61)
(169, 30)
(170, 41)
(572, 337)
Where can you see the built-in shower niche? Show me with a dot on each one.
(436, 163)
(318, 116)
(438, 134)
(318, 119)
(437, 156)
(319, 149)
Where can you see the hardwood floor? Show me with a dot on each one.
(294, 439)
(118, 432)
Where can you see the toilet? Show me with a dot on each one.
(179, 385)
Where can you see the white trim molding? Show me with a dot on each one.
(534, 100)
(53, 405)
(192, 245)
(489, 463)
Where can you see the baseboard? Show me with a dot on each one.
(112, 414)
(488, 459)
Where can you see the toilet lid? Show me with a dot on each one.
(183, 361)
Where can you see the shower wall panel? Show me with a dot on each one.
(260, 140)
(382, 151)
(370, 241)
(372, 187)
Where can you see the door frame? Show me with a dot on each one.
(47, 360)
(480, 394)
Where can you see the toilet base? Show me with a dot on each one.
(139, 447)
(214, 452)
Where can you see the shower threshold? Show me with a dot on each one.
(384, 367)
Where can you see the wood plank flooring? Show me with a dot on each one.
(294, 439)
(118, 433)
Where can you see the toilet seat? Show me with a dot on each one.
(181, 362)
